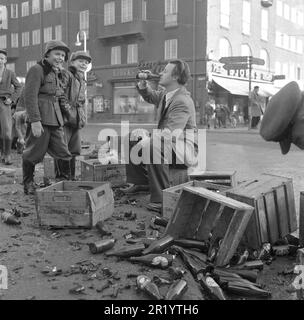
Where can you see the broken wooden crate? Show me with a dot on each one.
(274, 215)
(227, 178)
(74, 204)
(172, 195)
(200, 213)
(93, 170)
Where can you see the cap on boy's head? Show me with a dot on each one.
(3, 52)
(57, 45)
(81, 55)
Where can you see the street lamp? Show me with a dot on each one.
(78, 43)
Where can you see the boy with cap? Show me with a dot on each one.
(8, 95)
(42, 92)
(73, 109)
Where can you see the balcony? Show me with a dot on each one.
(132, 29)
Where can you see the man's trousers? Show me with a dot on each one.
(51, 141)
(154, 175)
(6, 129)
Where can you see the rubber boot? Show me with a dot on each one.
(73, 168)
(28, 178)
(64, 169)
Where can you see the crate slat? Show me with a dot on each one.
(275, 215)
(227, 178)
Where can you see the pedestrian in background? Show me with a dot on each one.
(255, 108)
(209, 112)
(10, 89)
(42, 92)
(73, 108)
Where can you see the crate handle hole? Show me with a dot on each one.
(100, 193)
(86, 188)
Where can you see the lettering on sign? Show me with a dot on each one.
(217, 68)
(120, 73)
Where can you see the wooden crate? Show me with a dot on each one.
(93, 170)
(178, 176)
(200, 212)
(275, 214)
(172, 195)
(73, 204)
(227, 178)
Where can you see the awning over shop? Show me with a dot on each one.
(241, 87)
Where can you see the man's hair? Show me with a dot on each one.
(181, 71)
(256, 87)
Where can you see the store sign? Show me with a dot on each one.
(124, 72)
(217, 68)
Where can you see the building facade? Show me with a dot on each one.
(270, 30)
(123, 36)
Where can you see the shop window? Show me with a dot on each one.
(128, 101)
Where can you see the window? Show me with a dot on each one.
(144, 10)
(14, 40)
(58, 4)
(58, 32)
(30, 64)
(14, 10)
(109, 13)
(300, 19)
(286, 11)
(25, 39)
(278, 67)
(47, 5)
(35, 6)
(285, 70)
(225, 13)
(294, 15)
(264, 25)
(265, 56)
(128, 101)
(285, 41)
(246, 17)
(293, 43)
(11, 66)
(280, 8)
(171, 49)
(116, 55)
(292, 71)
(246, 50)
(132, 53)
(3, 17)
(48, 34)
(279, 38)
(36, 37)
(84, 22)
(171, 12)
(299, 73)
(3, 41)
(24, 9)
(299, 46)
(126, 10)
(224, 48)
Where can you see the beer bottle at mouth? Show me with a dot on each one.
(147, 75)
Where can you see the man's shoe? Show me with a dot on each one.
(8, 161)
(29, 189)
(137, 189)
(154, 206)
